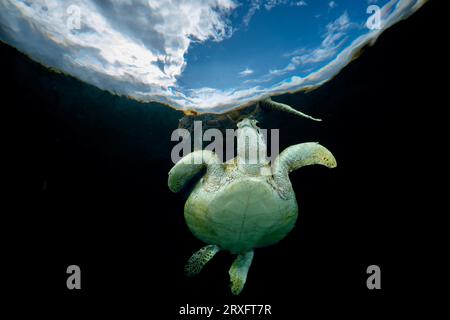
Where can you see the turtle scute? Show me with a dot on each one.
(243, 214)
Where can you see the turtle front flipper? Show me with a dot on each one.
(190, 165)
(297, 156)
(198, 260)
(238, 271)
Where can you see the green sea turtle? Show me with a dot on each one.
(242, 204)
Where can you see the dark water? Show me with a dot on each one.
(90, 188)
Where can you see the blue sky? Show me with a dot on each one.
(268, 40)
(204, 55)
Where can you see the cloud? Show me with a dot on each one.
(273, 3)
(120, 45)
(137, 48)
(247, 72)
(333, 39)
(256, 5)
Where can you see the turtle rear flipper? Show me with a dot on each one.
(238, 271)
(268, 103)
(198, 260)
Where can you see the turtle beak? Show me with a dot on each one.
(245, 123)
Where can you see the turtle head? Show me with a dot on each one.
(247, 122)
(251, 145)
